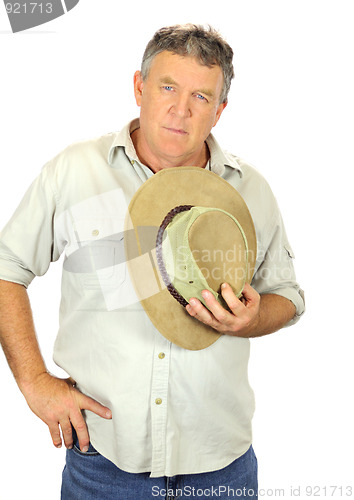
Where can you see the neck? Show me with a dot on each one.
(155, 163)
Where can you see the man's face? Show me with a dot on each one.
(179, 103)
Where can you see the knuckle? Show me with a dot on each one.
(198, 306)
(208, 321)
(233, 304)
(66, 430)
(191, 311)
(87, 404)
(221, 316)
(54, 428)
(81, 427)
(51, 418)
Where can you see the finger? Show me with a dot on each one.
(214, 315)
(217, 310)
(66, 430)
(87, 403)
(198, 311)
(55, 434)
(81, 430)
(235, 305)
(250, 294)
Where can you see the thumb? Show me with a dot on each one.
(87, 403)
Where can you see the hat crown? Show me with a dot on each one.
(202, 248)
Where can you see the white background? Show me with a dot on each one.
(290, 113)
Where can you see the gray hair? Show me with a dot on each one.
(204, 43)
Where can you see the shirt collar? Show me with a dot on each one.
(123, 139)
(218, 158)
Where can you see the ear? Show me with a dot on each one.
(219, 110)
(138, 87)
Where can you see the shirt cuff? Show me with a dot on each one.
(12, 269)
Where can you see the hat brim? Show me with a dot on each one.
(152, 201)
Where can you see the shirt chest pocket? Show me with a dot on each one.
(99, 258)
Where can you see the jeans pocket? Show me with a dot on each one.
(91, 451)
(76, 447)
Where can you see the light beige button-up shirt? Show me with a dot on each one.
(175, 411)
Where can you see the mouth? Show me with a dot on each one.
(176, 131)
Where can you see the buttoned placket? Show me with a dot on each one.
(159, 395)
(160, 374)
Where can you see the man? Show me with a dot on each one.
(158, 419)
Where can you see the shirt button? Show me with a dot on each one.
(158, 401)
(133, 162)
(161, 355)
(95, 232)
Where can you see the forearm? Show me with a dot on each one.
(17, 334)
(53, 400)
(275, 312)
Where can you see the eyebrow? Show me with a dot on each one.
(170, 81)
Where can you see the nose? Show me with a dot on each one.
(181, 106)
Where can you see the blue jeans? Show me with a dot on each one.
(90, 476)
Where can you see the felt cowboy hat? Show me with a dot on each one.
(187, 230)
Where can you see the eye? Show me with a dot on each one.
(168, 88)
(201, 97)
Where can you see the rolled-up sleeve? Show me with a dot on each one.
(27, 243)
(276, 272)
